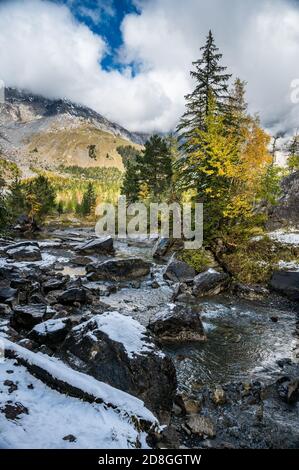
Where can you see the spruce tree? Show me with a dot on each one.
(155, 166)
(212, 83)
(131, 183)
(89, 201)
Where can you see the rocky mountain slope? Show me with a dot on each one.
(37, 132)
(286, 212)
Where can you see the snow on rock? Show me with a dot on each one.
(47, 419)
(81, 385)
(125, 330)
(287, 238)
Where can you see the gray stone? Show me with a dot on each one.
(286, 283)
(118, 270)
(178, 323)
(210, 282)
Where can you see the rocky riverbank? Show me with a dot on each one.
(84, 320)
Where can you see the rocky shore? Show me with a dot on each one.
(134, 337)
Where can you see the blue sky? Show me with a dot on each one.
(103, 17)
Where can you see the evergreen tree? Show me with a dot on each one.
(89, 201)
(211, 83)
(131, 183)
(16, 200)
(150, 173)
(155, 166)
(40, 197)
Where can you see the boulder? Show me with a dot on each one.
(286, 283)
(210, 282)
(5, 309)
(179, 271)
(54, 284)
(118, 270)
(81, 261)
(161, 247)
(178, 323)
(26, 224)
(74, 295)
(8, 295)
(27, 316)
(97, 246)
(201, 426)
(115, 349)
(24, 251)
(51, 332)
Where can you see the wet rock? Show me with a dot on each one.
(210, 282)
(179, 271)
(54, 284)
(27, 316)
(73, 296)
(191, 406)
(286, 283)
(8, 295)
(219, 397)
(5, 310)
(177, 323)
(81, 261)
(201, 426)
(25, 251)
(50, 332)
(162, 246)
(118, 269)
(288, 389)
(98, 246)
(250, 292)
(115, 349)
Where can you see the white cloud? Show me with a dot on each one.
(44, 49)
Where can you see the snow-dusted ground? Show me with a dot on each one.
(52, 415)
(288, 238)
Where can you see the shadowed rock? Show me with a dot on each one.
(118, 270)
(177, 324)
(210, 282)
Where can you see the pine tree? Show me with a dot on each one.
(131, 183)
(211, 83)
(155, 166)
(89, 201)
(40, 197)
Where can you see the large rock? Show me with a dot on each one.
(210, 282)
(286, 212)
(24, 251)
(50, 332)
(179, 271)
(178, 323)
(54, 284)
(27, 316)
(74, 295)
(118, 270)
(8, 295)
(161, 247)
(286, 283)
(98, 246)
(115, 349)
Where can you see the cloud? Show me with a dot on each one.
(44, 49)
